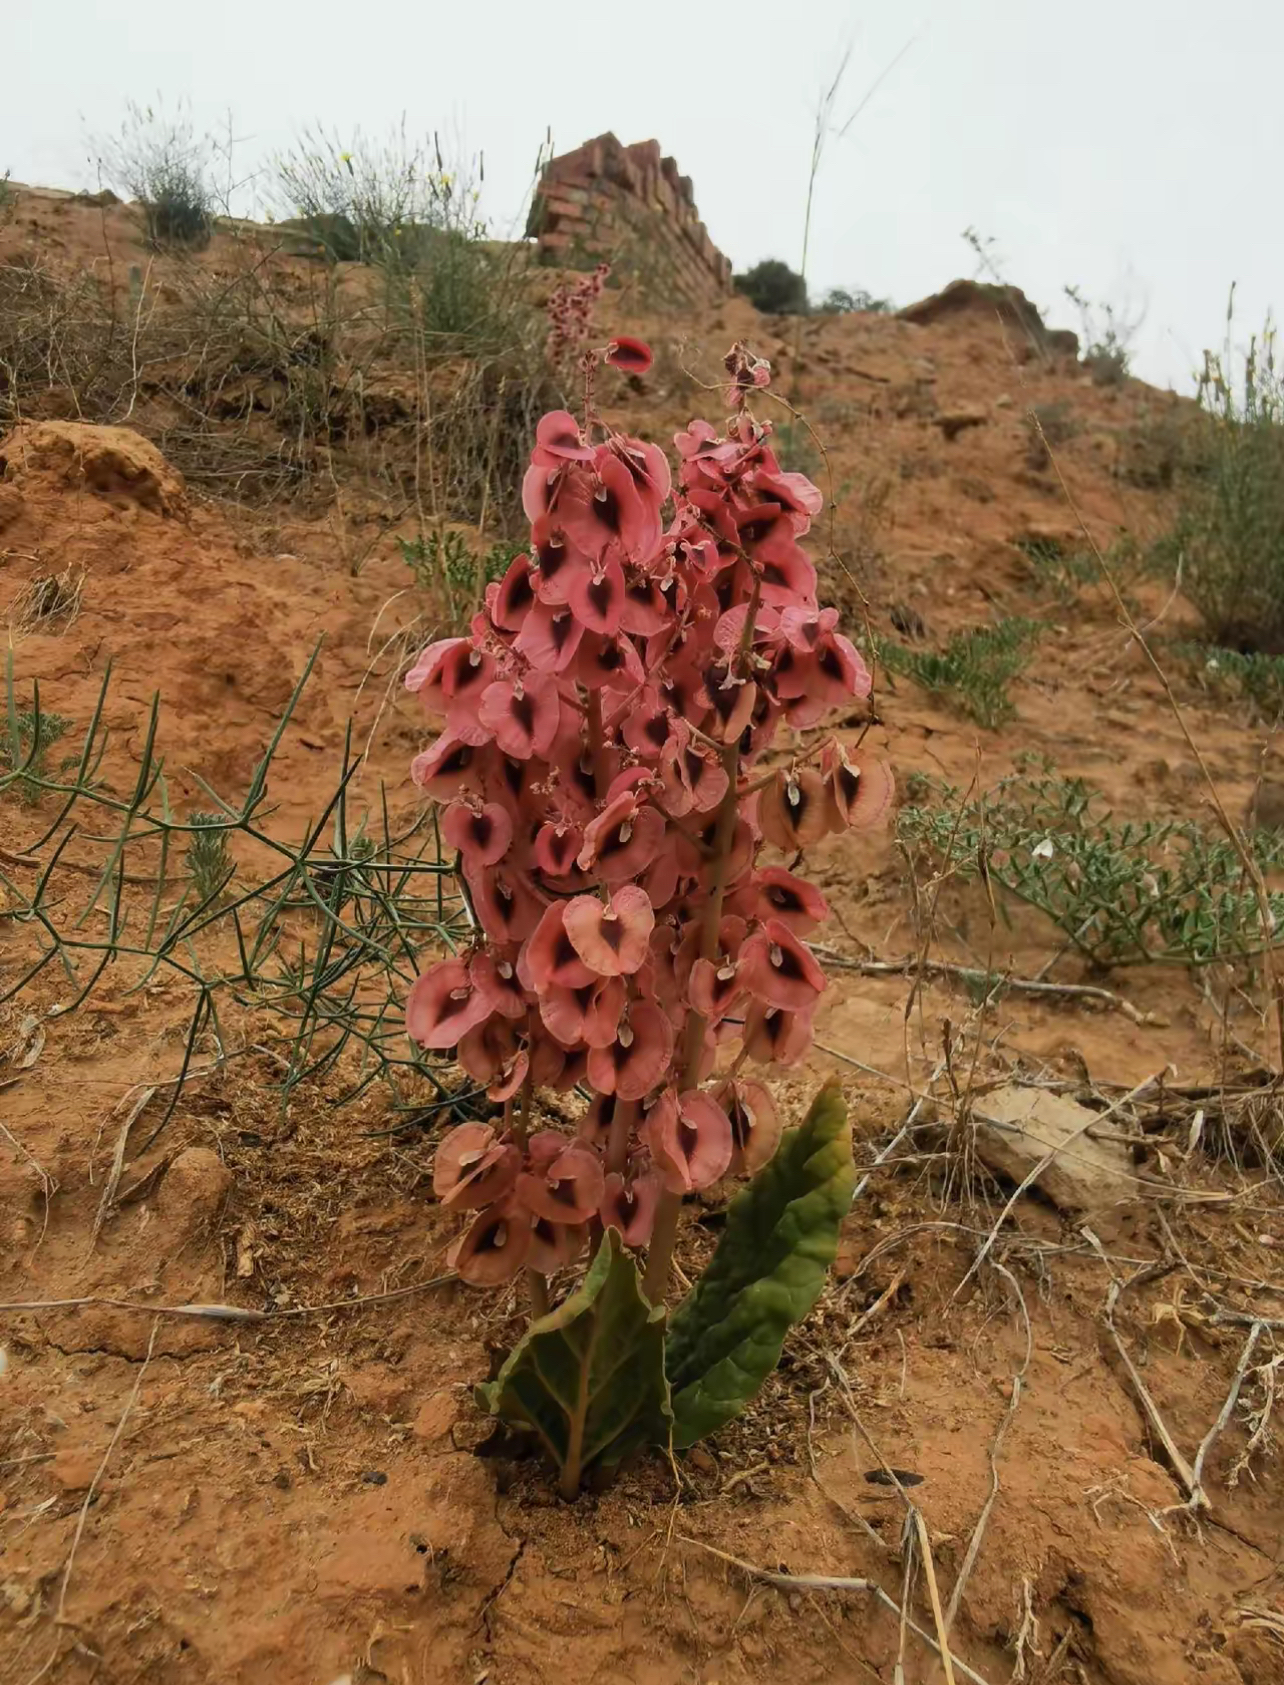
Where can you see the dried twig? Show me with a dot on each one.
(976, 975)
(225, 1313)
(1199, 1498)
(831, 1582)
(1095, 1120)
(48, 1187)
(60, 1616)
(117, 1166)
(982, 1521)
(1181, 1468)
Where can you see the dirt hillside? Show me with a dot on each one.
(304, 1502)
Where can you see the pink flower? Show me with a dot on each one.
(597, 596)
(549, 958)
(473, 1167)
(550, 637)
(792, 809)
(448, 768)
(859, 788)
(755, 1125)
(481, 834)
(632, 1065)
(590, 1014)
(612, 939)
(557, 440)
(779, 969)
(610, 662)
(622, 841)
(494, 1247)
(443, 1004)
(504, 901)
(774, 1035)
(523, 714)
(631, 355)
(792, 900)
(630, 1205)
(566, 1190)
(556, 847)
(495, 978)
(689, 1139)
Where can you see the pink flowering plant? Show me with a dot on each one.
(630, 776)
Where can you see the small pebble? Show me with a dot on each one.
(375, 1477)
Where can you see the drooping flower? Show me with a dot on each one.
(631, 355)
(632, 1065)
(549, 957)
(629, 1205)
(473, 1167)
(755, 1125)
(613, 938)
(792, 809)
(778, 968)
(443, 1004)
(858, 787)
(481, 834)
(689, 1138)
(568, 1189)
(493, 1247)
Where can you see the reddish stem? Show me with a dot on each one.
(665, 1232)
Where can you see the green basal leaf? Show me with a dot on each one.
(766, 1274)
(589, 1377)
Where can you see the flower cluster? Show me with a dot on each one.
(605, 725)
(570, 316)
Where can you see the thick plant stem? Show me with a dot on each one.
(665, 1232)
(518, 1119)
(617, 1145)
(537, 1293)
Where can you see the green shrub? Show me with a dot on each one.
(1120, 891)
(24, 750)
(1106, 340)
(1228, 534)
(974, 670)
(1059, 571)
(367, 202)
(1255, 679)
(444, 565)
(208, 859)
(161, 161)
(841, 301)
(774, 288)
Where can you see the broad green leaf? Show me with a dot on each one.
(766, 1274)
(589, 1377)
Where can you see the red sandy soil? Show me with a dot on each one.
(302, 1503)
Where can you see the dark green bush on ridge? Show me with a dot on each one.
(774, 288)
(1228, 534)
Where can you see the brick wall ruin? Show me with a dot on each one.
(629, 205)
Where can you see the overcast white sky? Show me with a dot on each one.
(1131, 147)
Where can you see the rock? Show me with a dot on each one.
(435, 1416)
(74, 1469)
(1017, 1127)
(192, 1194)
(986, 298)
(954, 422)
(378, 1387)
(112, 462)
